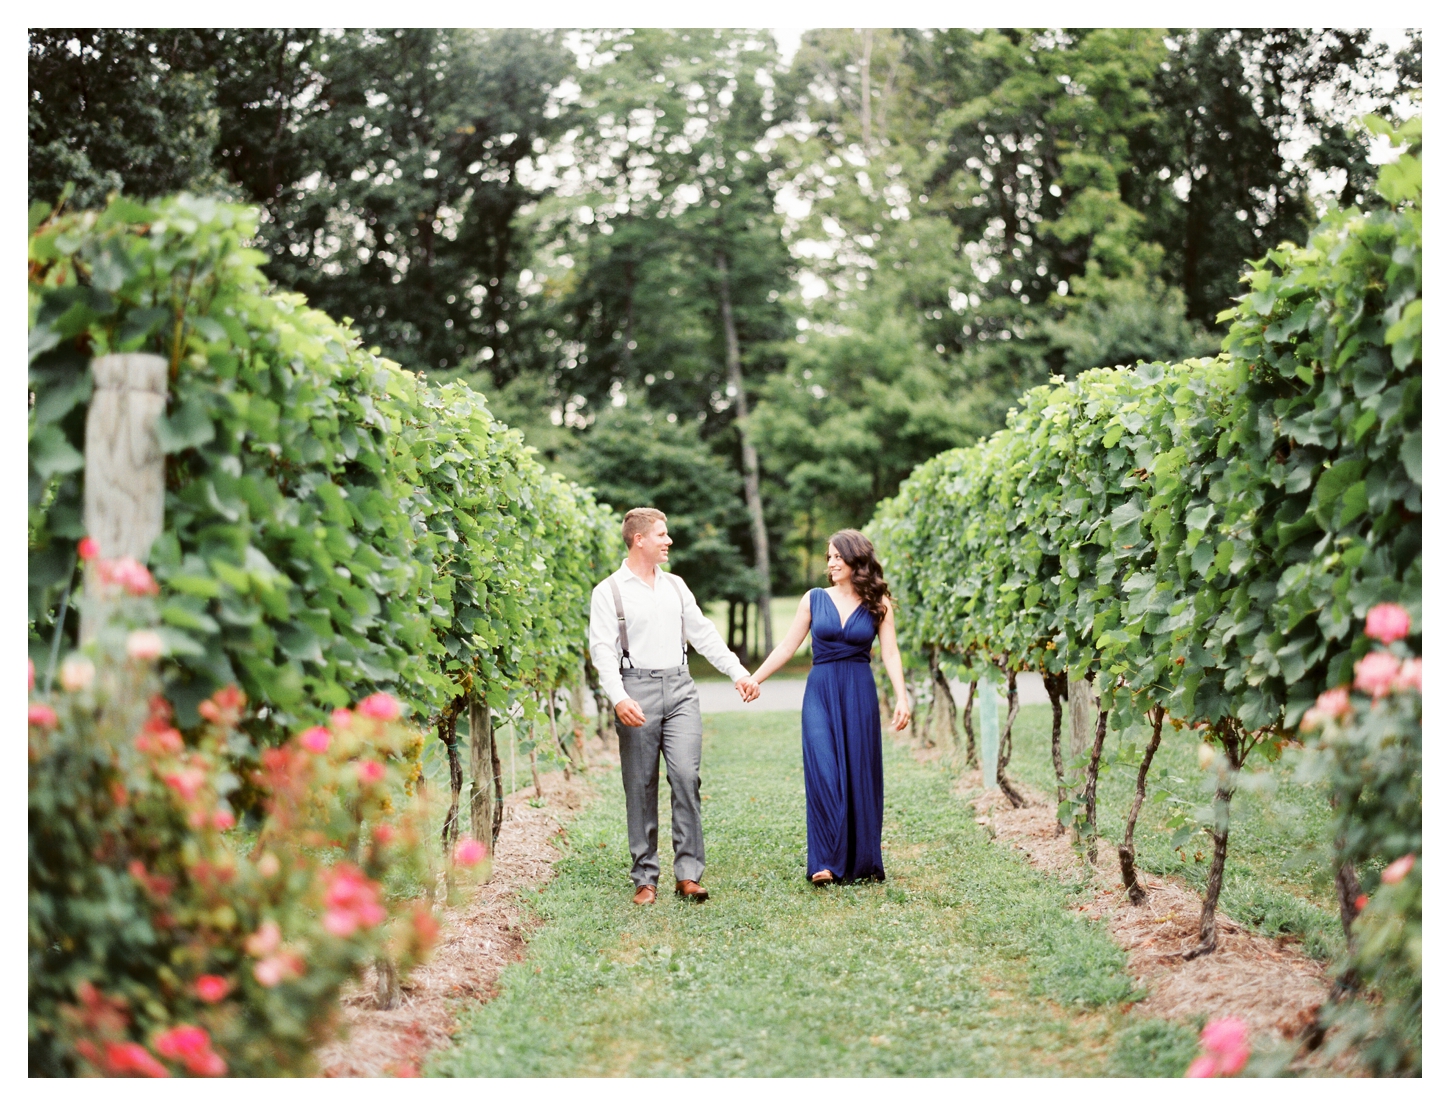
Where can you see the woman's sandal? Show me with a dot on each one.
(823, 877)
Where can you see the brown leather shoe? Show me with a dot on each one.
(644, 896)
(689, 889)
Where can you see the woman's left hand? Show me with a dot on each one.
(901, 715)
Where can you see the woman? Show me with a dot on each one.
(840, 723)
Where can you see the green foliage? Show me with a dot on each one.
(149, 915)
(1122, 521)
(333, 525)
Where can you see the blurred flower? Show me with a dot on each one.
(1408, 678)
(144, 645)
(191, 1046)
(1205, 755)
(1225, 1045)
(384, 834)
(352, 902)
(128, 1058)
(469, 852)
(186, 782)
(316, 739)
(1333, 703)
(265, 940)
(77, 673)
(1375, 674)
(159, 742)
(42, 716)
(1361, 902)
(380, 705)
(223, 819)
(212, 988)
(341, 718)
(1387, 622)
(274, 969)
(1399, 869)
(31, 665)
(224, 708)
(370, 771)
(128, 574)
(268, 865)
(87, 548)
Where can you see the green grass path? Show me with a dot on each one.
(965, 962)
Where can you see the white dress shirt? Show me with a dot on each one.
(652, 621)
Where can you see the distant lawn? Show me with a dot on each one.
(964, 962)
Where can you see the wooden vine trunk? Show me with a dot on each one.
(1126, 856)
(1235, 747)
(943, 707)
(1090, 789)
(969, 725)
(448, 734)
(125, 475)
(1004, 750)
(1056, 684)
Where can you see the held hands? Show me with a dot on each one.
(628, 712)
(749, 689)
(901, 715)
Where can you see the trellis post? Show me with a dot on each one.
(125, 476)
(991, 736)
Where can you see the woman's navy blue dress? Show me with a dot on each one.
(841, 743)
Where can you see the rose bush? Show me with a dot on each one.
(164, 939)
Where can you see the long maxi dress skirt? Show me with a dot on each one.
(841, 745)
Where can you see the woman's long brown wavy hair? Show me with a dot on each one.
(867, 578)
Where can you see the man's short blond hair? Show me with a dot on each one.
(640, 520)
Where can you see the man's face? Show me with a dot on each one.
(655, 543)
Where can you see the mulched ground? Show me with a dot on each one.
(1268, 982)
(478, 940)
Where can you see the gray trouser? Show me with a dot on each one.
(671, 705)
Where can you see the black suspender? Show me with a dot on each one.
(624, 633)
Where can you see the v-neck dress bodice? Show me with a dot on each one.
(841, 745)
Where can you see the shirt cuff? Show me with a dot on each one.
(739, 672)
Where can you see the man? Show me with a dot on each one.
(639, 621)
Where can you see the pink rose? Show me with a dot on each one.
(370, 771)
(191, 1046)
(341, 718)
(469, 852)
(1409, 676)
(268, 865)
(1360, 903)
(316, 740)
(31, 665)
(340, 923)
(381, 706)
(212, 988)
(384, 834)
(87, 549)
(128, 574)
(42, 716)
(77, 673)
(1375, 674)
(1387, 622)
(127, 1058)
(352, 902)
(1333, 703)
(1224, 1035)
(1201, 1068)
(223, 820)
(144, 645)
(186, 782)
(1399, 869)
(265, 940)
(274, 969)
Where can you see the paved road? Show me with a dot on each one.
(717, 697)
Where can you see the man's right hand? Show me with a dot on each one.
(628, 713)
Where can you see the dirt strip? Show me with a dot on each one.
(478, 940)
(1268, 982)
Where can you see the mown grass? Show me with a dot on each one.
(1275, 880)
(964, 962)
